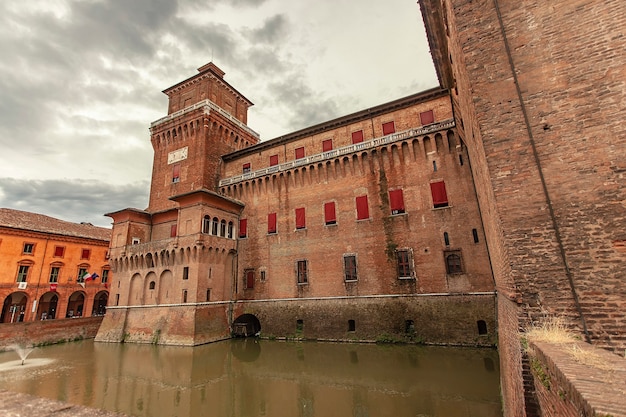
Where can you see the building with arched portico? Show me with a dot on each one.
(43, 264)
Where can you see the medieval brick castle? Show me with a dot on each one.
(500, 194)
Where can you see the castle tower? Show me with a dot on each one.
(179, 251)
(206, 119)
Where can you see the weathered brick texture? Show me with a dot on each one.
(48, 331)
(538, 91)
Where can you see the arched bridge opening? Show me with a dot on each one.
(246, 325)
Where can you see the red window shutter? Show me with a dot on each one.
(173, 230)
(243, 227)
(300, 218)
(271, 223)
(362, 210)
(438, 191)
(176, 171)
(85, 254)
(249, 279)
(396, 201)
(357, 136)
(389, 128)
(273, 160)
(300, 153)
(246, 167)
(327, 145)
(427, 117)
(58, 251)
(329, 213)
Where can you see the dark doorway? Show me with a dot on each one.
(246, 325)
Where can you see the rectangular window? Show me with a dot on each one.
(59, 251)
(105, 276)
(263, 275)
(438, 191)
(404, 260)
(184, 296)
(186, 272)
(302, 272)
(29, 248)
(427, 117)
(330, 216)
(81, 274)
(396, 201)
(349, 267)
(249, 279)
(243, 228)
(273, 160)
(54, 274)
(85, 254)
(176, 173)
(327, 145)
(357, 136)
(208, 294)
(117, 299)
(300, 152)
(271, 223)
(22, 273)
(389, 128)
(300, 218)
(246, 168)
(173, 230)
(362, 210)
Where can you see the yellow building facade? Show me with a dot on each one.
(51, 269)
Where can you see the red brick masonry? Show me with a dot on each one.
(48, 331)
(568, 387)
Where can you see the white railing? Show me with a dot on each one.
(394, 137)
(207, 105)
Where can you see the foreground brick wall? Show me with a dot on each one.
(577, 380)
(48, 331)
(537, 88)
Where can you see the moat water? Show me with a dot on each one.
(251, 378)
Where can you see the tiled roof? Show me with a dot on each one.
(24, 220)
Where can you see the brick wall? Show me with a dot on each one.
(577, 379)
(410, 166)
(536, 88)
(441, 319)
(48, 331)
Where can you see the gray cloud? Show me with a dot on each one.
(301, 105)
(274, 29)
(72, 200)
(81, 81)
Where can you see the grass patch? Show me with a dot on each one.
(589, 358)
(551, 330)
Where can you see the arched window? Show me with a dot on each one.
(152, 285)
(230, 230)
(223, 228)
(206, 224)
(214, 226)
(482, 327)
(453, 264)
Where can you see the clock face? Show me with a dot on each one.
(177, 155)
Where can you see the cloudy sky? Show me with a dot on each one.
(81, 80)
